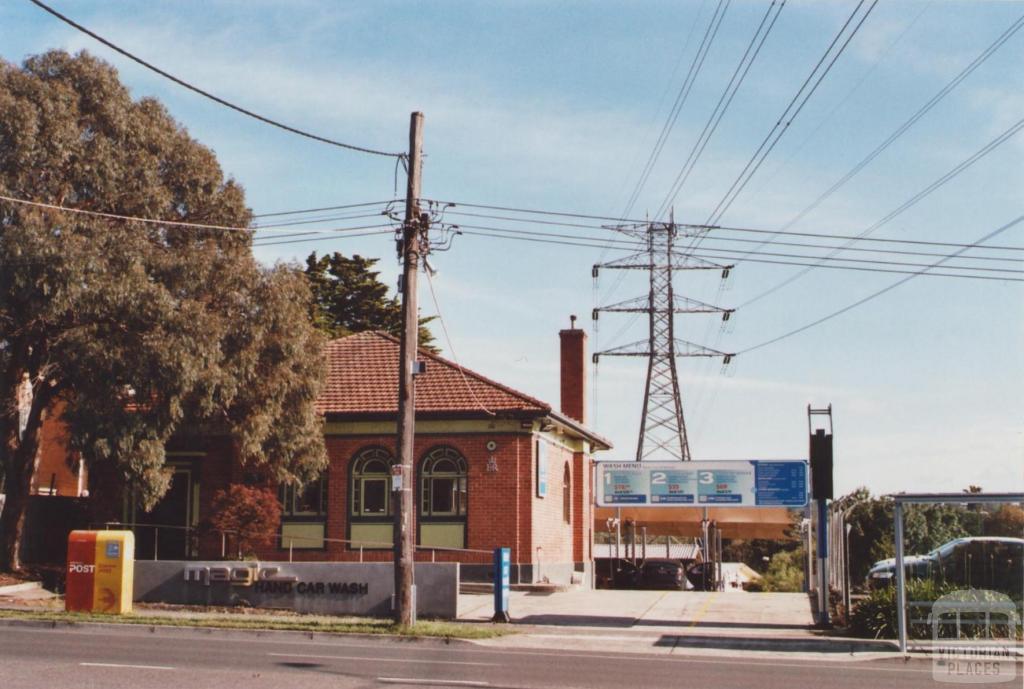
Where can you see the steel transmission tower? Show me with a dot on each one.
(662, 427)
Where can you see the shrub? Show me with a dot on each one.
(250, 514)
(785, 572)
(875, 616)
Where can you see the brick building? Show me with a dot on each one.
(494, 467)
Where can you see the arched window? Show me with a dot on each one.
(443, 484)
(567, 494)
(371, 483)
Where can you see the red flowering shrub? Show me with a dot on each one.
(249, 514)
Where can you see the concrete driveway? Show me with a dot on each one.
(767, 625)
(767, 612)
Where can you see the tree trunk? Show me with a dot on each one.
(19, 463)
(12, 521)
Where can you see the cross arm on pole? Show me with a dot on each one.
(681, 305)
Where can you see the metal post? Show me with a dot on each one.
(846, 568)
(805, 526)
(291, 543)
(718, 558)
(901, 590)
(643, 545)
(706, 554)
(223, 545)
(156, 541)
(823, 597)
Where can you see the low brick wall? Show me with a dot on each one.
(331, 588)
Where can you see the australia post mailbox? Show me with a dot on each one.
(100, 570)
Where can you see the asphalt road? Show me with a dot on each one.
(83, 657)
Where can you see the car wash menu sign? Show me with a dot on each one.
(738, 483)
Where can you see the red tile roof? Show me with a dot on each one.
(362, 378)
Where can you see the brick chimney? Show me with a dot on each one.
(574, 371)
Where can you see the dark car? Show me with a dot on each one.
(663, 574)
(701, 576)
(978, 561)
(626, 575)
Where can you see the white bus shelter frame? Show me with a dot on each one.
(902, 499)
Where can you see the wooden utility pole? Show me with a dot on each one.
(413, 245)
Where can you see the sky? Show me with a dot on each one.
(557, 106)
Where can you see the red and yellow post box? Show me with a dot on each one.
(101, 565)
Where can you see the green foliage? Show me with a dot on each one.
(1005, 520)
(875, 616)
(348, 297)
(249, 514)
(785, 571)
(926, 527)
(752, 552)
(142, 330)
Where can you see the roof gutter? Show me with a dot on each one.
(597, 442)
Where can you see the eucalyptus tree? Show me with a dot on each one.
(134, 332)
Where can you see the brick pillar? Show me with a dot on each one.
(574, 372)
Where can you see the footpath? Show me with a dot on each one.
(761, 625)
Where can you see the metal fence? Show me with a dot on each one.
(230, 543)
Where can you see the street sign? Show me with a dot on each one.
(737, 483)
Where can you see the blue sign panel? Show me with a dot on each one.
(625, 487)
(502, 583)
(740, 483)
(780, 483)
(671, 487)
(723, 487)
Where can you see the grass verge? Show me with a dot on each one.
(328, 625)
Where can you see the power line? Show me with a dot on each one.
(326, 208)
(716, 228)
(671, 80)
(455, 357)
(631, 244)
(912, 201)
(856, 87)
(724, 101)
(151, 221)
(319, 219)
(207, 94)
(334, 235)
(725, 253)
(797, 104)
(880, 292)
(913, 119)
(116, 216)
(684, 92)
(497, 233)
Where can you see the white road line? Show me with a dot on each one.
(131, 667)
(442, 682)
(382, 660)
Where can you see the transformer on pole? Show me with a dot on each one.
(662, 426)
